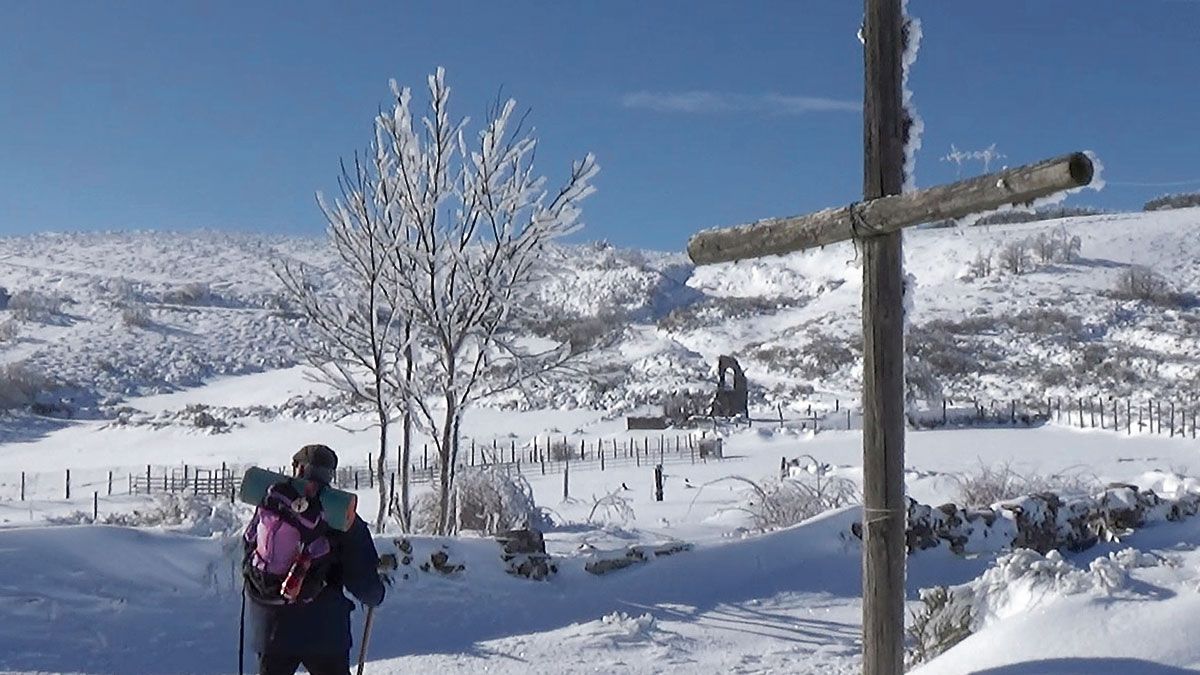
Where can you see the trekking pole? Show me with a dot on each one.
(362, 648)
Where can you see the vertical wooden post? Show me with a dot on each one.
(1172, 427)
(658, 483)
(512, 455)
(22, 486)
(1128, 417)
(68, 483)
(110, 483)
(1081, 424)
(583, 449)
(943, 412)
(884, 131)
(566, 480)
(1101, 399)
(472, 452)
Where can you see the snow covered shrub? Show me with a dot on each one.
(614, 508)
(1176, 201)
(714, 310)
(990, 484)
(484, 500)
(9, 330)
(943, 621)
(782, 502)
(34, 306)
(1014, 257)
(562, 451)
(1016, 582)
(1144, 284)
(21, 385)
(947, 355)
(981, 265)
(188, 294)
(200, 515)
(582, 333)
(135, 315)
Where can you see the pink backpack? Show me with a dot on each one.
(287, 549)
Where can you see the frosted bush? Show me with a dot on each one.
(21, 385)
(1015, 583)
(1014, 257)
(135, 315)
(188, 294)
(200, 515)
(990, 484)
(9, 330)
(782, 502)
(34, 306)
(484, 500)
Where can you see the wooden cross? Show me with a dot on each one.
(876, 223)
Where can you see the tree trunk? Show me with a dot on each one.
(380, 470)
(405, 506)
(444, 471)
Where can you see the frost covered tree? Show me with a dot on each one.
(475, 219)
(354, 331)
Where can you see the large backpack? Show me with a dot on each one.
(288, 551)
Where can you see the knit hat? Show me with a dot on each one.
(316, 462)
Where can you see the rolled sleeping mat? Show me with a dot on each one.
(340, 506)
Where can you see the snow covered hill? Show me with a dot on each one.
(96, 318)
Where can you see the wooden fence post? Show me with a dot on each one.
(582, 449)
(1101, 400)
(566, 480)
(95, 505)
(22, 486)
(1081, 424)
(658, 483)
(110, 483)
(1172, 427)
(68, 483)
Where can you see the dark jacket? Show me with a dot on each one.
(321, 627)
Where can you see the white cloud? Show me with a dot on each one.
(710, 102)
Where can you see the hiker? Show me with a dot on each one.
(305, 620)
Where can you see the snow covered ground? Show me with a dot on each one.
(107, 599)
(140, 336)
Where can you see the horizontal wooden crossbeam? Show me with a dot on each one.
(776, 236)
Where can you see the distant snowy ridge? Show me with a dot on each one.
(96, 318)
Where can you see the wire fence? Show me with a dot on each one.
(561, 454)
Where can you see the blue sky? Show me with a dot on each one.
(139, 115)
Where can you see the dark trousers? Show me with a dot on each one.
(278, 664)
